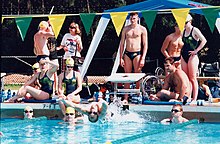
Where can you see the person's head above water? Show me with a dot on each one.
(28, 112)
(93, 114)
(70, 114)
(177, 110)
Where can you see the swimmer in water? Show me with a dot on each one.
(177, 112)
(96, 110)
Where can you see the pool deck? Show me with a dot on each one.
(208, 113)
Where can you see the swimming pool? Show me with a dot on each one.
(138, 132)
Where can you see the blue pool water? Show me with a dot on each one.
(138, 132)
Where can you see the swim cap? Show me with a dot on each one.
(43, 24)
(28, 108)
(70, 62)
(70, 110)
(35, 66)
(189, 18)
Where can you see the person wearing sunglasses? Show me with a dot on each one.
(72, 81)
(71, 43)
(28, 112)
(194, 41)
(46, 80)
(70, 115)
(96, 111)
(177, 115)
(176, 85)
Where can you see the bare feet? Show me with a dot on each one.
(12, 100)
(153, 97)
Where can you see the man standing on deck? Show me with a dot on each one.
(40, 40)
(133, 38)
(172, 46)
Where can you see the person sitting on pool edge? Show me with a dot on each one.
(69, 85)
(96, 110)
(177, 112)
(46, 80)
(28, 112)
(176, 85)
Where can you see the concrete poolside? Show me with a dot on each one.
(209, 113)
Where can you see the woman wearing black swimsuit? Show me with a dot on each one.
(189, 58)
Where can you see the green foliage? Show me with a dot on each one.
(12, 86)
(12, 44)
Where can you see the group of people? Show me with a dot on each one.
(44, 83)
(181, 59)
(181, 65)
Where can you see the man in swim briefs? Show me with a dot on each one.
(172, 46)
(40, 40)
(133, 38)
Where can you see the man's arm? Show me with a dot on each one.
(77, 107)
(183, 83)
(145, 43)
(165, 46)
(48, 33)
(166, 85)
(122, 44)
(104, 108)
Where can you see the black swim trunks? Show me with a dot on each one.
(176, 58)
(132, 55)
(39, 57)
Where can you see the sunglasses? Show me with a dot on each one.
(67, 114)
(71, 27)
(69, 66)
(34, 69)
(28, 111)
(95, 113)
(186, 22)
(175, 110)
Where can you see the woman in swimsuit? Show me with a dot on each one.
(189, 58)
(72, 82)
(45, 77)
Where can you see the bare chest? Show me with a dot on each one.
(177, 43)
(133, 33)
